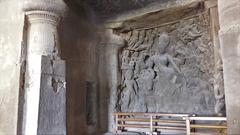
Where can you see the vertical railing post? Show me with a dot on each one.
(188, 128)
(116, 123)
(151, 124)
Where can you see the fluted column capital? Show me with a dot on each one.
(53, 6)
(38, 16)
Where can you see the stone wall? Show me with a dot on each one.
(11, 37)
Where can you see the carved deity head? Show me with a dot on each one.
(164, 41)
(149, 63)
(126, 53)
(134, 56)
(142, 34)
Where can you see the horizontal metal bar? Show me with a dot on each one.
(192, 133)
(151, 114)
(147, 126)
(147, 120)
(209, 118)
(208, 126)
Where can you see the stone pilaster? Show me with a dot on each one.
(109, 75)
(229, 19)
(45, 110)
(218, 70)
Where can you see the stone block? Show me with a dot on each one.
(52, 108)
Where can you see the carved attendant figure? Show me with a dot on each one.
(140, 41)
(146, 77)
(130, 89)
(125, 63)
(219, 90)
(140, 64)
(163, 63)
(148, 41)
(133, 39)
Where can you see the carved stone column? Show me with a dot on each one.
(229, 34)
(45, 109)
(109, 75)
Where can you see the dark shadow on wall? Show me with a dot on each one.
(79, 40)
(106, 9)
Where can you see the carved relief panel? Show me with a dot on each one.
(169, 68)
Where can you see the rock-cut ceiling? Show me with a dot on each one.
(113, 7)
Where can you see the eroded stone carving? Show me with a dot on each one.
(219, 89)
(170, 69)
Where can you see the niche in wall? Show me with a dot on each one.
(168, 64)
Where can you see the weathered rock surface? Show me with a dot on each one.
(11, 22)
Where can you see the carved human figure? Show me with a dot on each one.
(125, 59)
(133, 39)
(140, 41)
(145, 83)
(129, 69)
(163, 63)
(130, 89)
(125, 63)
(148, 41)
(219, 90)
(151, 38)
(220, 104)
(145, 80)
(134, 56)
(140, 64)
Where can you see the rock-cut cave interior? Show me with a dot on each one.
(119, 67)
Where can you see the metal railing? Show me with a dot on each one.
(209, 123)
(155, 123)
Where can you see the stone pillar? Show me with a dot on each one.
(45, 109)
(229, 19)
(109, 75)
(218, 70)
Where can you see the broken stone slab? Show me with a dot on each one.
(52, 108)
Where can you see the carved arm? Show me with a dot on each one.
(170, 59)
